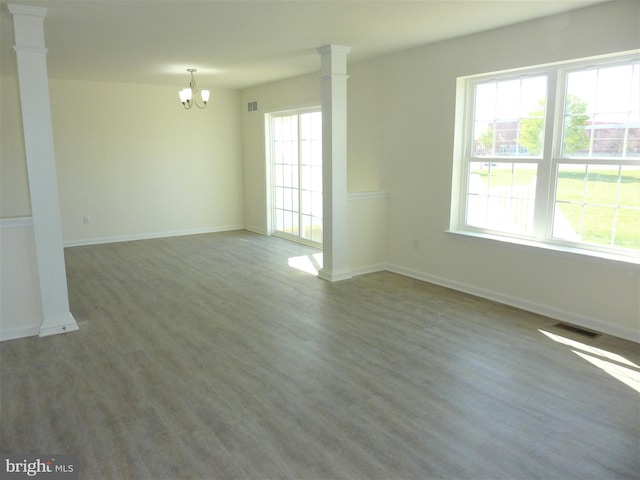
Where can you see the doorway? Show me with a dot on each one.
(295, 151)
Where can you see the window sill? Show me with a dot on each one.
(548, 248)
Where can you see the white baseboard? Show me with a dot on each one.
(253, 229)
(541, 309)
(334, 276)
(363, 270)
(20, 332)
(147, 236)
(52, 326)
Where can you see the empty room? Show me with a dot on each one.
(320, 239)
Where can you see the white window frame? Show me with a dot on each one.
(547, 163)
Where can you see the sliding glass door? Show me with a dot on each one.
(296, 174)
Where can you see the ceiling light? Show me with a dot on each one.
(189, 96)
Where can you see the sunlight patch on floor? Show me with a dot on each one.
(626, 375)
(307, 263)
(588, 348)
(623, 369)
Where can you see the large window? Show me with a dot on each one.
(552, 155)
(296, 174)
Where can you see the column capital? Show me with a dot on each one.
(333, 59)
(15, 9)
(28, 25)
(333, 49)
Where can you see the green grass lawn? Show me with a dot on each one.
(589, 200)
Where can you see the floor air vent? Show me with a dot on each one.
(577, 330)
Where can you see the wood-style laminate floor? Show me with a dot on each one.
(209, 357)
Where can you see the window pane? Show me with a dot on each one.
(316, 229)
(279, 198)
(277, 152)
(601, 185)
(288, 223)
(288, 203)
(278, 175)
(305, 127)
(570, 187)
(567, 219)
(305, 208)
(305, 178)
(509, 117)
(286, 175)
(601, 113)
(286, 157)
(627, 234)
(630, 187)
(597, 224)
(277, 128)
(290, 128)
(316, 150)
(306, 227)
(316, 204)
(485, 102)
(632, 149)
(305, 152)
(316, 179)
(598, 204)
(501, 196)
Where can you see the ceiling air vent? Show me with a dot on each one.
(577, 330)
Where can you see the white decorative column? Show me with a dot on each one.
(334, 162)
(41, 168)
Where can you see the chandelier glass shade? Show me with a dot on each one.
(193, 96)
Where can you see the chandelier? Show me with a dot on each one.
(189, 96)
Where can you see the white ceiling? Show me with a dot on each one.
(238, 43)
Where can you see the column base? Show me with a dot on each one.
(53, 326)
(333, 276)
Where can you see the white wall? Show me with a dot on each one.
(139, 165)
(14, 184)
(400, 136)
(418, 121)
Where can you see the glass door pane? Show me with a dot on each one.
(311, 176)
(297, 175)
